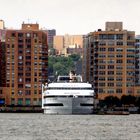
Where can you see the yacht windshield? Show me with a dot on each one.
(69, 79)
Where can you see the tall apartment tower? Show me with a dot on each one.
(26, 65)
(2, 73)
(50, 34)
(137, 44)
(2, 65)
(110, 64)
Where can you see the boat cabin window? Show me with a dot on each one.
(69, 79)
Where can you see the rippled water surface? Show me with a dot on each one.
(62, 127)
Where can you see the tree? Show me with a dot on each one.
(138, 101)
(60, 65)
(128, 99)
(111, 101)
(75, 57)
(59, 69)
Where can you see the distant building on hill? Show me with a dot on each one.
(68, 44)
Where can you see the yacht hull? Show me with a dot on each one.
(68, 105)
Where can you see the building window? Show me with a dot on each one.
(102, 49)
(20, 101)
(111, 49)
(119, 79)
(40, 101)
(28, 46)
(119, 84)
(35, 79)
(20, 34)
(119, 43)
(12, 101)
(28, 63)
(110, 78)
(27, 101)
(13, 34)
(103, 36)
(20, 92)
(35, 85)
(35, 35)
(20, 79)
(100, 90)
(119, 67)
(111, 43)
(101, 78)
(138, 91)
(28, 40)
(111, 55)
(111, 61)
(119, 61)
(102, 61)
(20, 51)
(118, 90)
(102, 72)
(102, 84)
(110, 91)
(40, 92)
(20, 57)
(28, 57)
(131, 50)
(130, 55)
(28, 35)
(102, 43)
(28, 80)
(131, 67)
(0, 91)
(20, 41)
(110, 72)
(28, 74)
(119, 36)
(35, 40)
(130, 43)
(35, 101)
(111, 36)
(35, 92)
(119, 55)
(110, 66)
(101, 55)
(27, 85)
(28, 68)
(20, 85)
(20, 46)
(27, 92)
(131, 61)
(101, 67)
(110, 84)
(118, 73)
(13, 46)
(119, 49)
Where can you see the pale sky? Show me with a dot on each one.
(71, 16)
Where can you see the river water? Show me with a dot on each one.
(29, 126)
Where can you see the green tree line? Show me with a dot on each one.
(61, 65)
(128, 100)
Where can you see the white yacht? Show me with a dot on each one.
(68, 95)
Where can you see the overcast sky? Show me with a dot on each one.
(71, 16)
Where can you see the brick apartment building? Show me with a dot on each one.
(109, 61)
(26, 65)
(2, 72)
